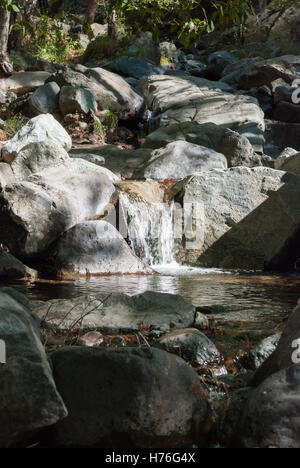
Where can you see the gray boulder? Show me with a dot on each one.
(36, 130)
(35, 212)
(117, 313)
(94, 248)
(90, 157)
(76, 99)
(29, 398)
(45, 99)
(237, 212)
(178, 160)
(110, 90)
(127, 399)
(35, 157)
(192, 346)
(146, 48)
(271, 417)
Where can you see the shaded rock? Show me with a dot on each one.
(261, 72)
(168, 49)
(178, 160)
(140, 377)
(117, 313)
(271, 416)
(192, 345)
(135, 67)
(208, 134)
(234, 215)
(24, 82)
(11, 267)
(263, 350)
(283, 157)
(75, 99)
(35, 212)
(26, 373)
(6, 175)
(118, 160)
(35, 157)
(287, 112)
(36, 130)
(280, 135)
(217, 62)
(95, 248)
(45, 99)
(146, 48)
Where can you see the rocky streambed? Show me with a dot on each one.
(148, 290)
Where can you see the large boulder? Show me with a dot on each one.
(76, 99)
(178, 160)
(45, 99)
(24, 82)
(217, 62)
(271, 416)
(116, 312)
(283, 157)
(36, 130)
(35, 157)
(127, 399)
(34, 213)
(110, 90)
(146, 48)
(29, 399)
(94, 248)
(242, 218)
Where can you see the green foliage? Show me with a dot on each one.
(48, 40)
(13, 123)
(11, 5)
(188, 20)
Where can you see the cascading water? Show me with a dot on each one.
(149, 229)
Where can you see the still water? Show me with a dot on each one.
(240, 302)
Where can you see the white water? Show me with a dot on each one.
(149, 230)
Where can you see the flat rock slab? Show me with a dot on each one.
(24, 82)
(115, 313)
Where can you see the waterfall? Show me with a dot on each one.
(149, 229)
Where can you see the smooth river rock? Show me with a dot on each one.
(121, 398)
(95, 248)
